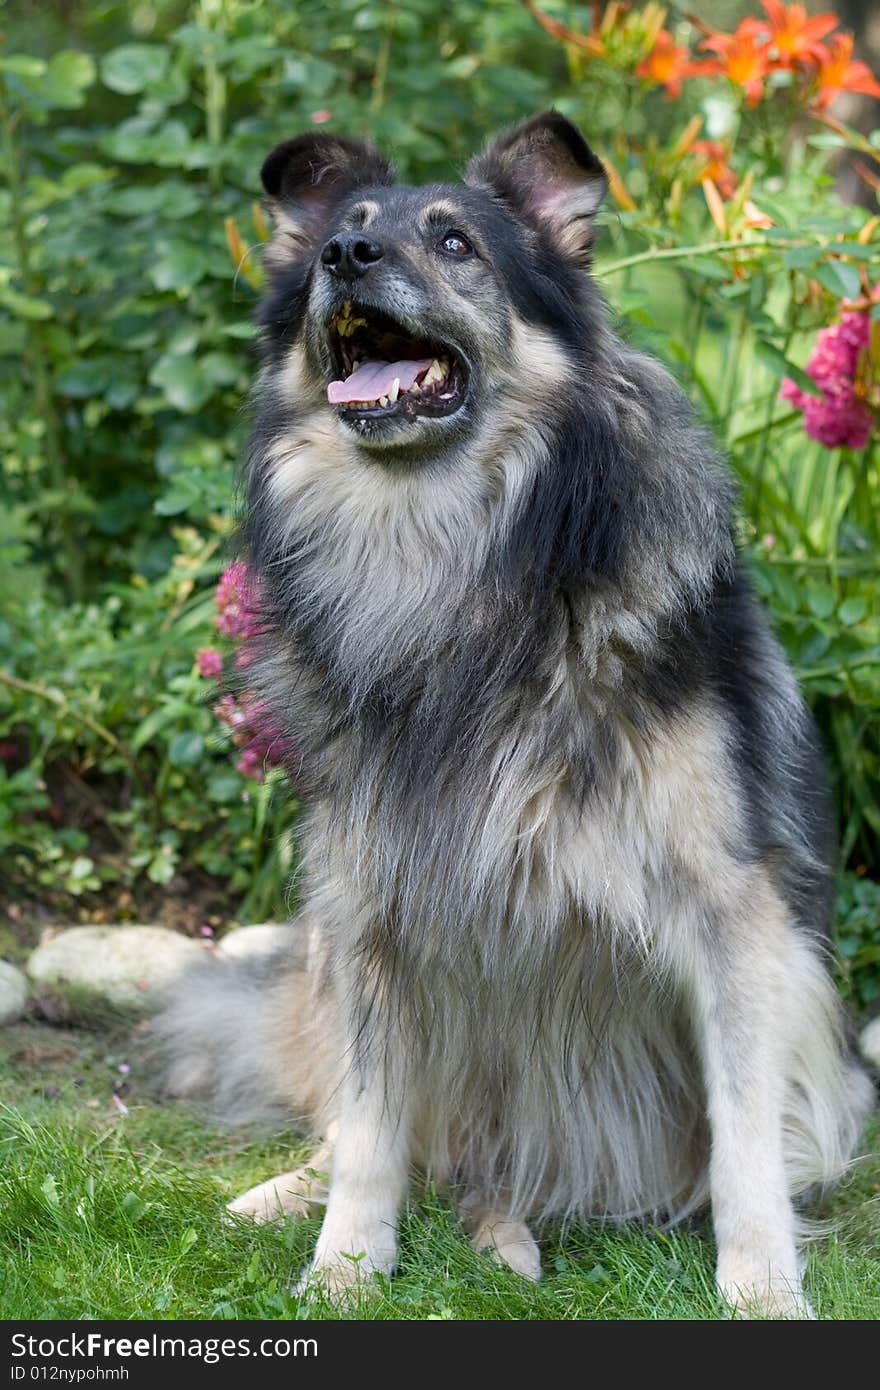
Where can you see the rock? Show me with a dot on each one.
(263, 939)
(869, 1043)
(13, 993)
(107, 972)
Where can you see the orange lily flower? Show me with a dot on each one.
(667, 63)
(716, 167)
(838, 73)
(743, 57)
(794, 36)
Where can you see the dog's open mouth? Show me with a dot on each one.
(385, 371)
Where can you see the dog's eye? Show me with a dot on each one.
(454, 244)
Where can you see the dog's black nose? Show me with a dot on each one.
(351, 256)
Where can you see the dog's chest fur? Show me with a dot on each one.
(478, 748)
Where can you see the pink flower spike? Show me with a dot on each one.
(210, 663)
(206, 930)
(124, 1068)
(837, 417)
(236, 602)
(320, 117)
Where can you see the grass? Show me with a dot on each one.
(113, 1215)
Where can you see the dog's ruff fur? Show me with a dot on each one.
(565, 869)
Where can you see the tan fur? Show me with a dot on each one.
(364, 213)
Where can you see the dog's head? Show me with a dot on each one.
(403, 304)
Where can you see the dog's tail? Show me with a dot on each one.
(253, 1041)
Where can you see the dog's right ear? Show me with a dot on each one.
(305, 178)
(545, 171)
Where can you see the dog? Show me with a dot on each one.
(562, 940)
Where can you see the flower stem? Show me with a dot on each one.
(383, 59)
(675, 253)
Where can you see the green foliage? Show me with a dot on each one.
(132, 140)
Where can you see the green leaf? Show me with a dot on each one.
(821, 600)
(133, 66)
(311, 75)
(186, 749)
(49, 1189)
(67, 76)
(133, 1206)
(852, 610)
(23, 65)
(224, 787)
(13, 338)
(182, 495)
(707, 268)
(778, 365)
(156, 720)
(180, 266)
(81, 867)
(855, 249)
(815, 647)
(138, 141)
(841, 278)
(222, 367)
(827, 141)
(183, 382)
(802, 257)
(83, 379)
(170, 199)
(24, 306)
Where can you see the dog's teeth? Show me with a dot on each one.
(434, 373)
(395, 390)
(383, 400)
(415, 389)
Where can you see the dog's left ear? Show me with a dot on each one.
(546, 172)
(306, 177)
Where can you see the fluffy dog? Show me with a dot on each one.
(562, 940)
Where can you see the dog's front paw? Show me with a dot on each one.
(301, 1192)
(756, 1289)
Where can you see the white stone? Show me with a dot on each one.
(869, 1043)
(262, 939)
(13, 993)
(122, 969)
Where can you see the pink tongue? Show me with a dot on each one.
(375, 379)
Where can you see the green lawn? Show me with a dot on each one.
(114, 1215)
